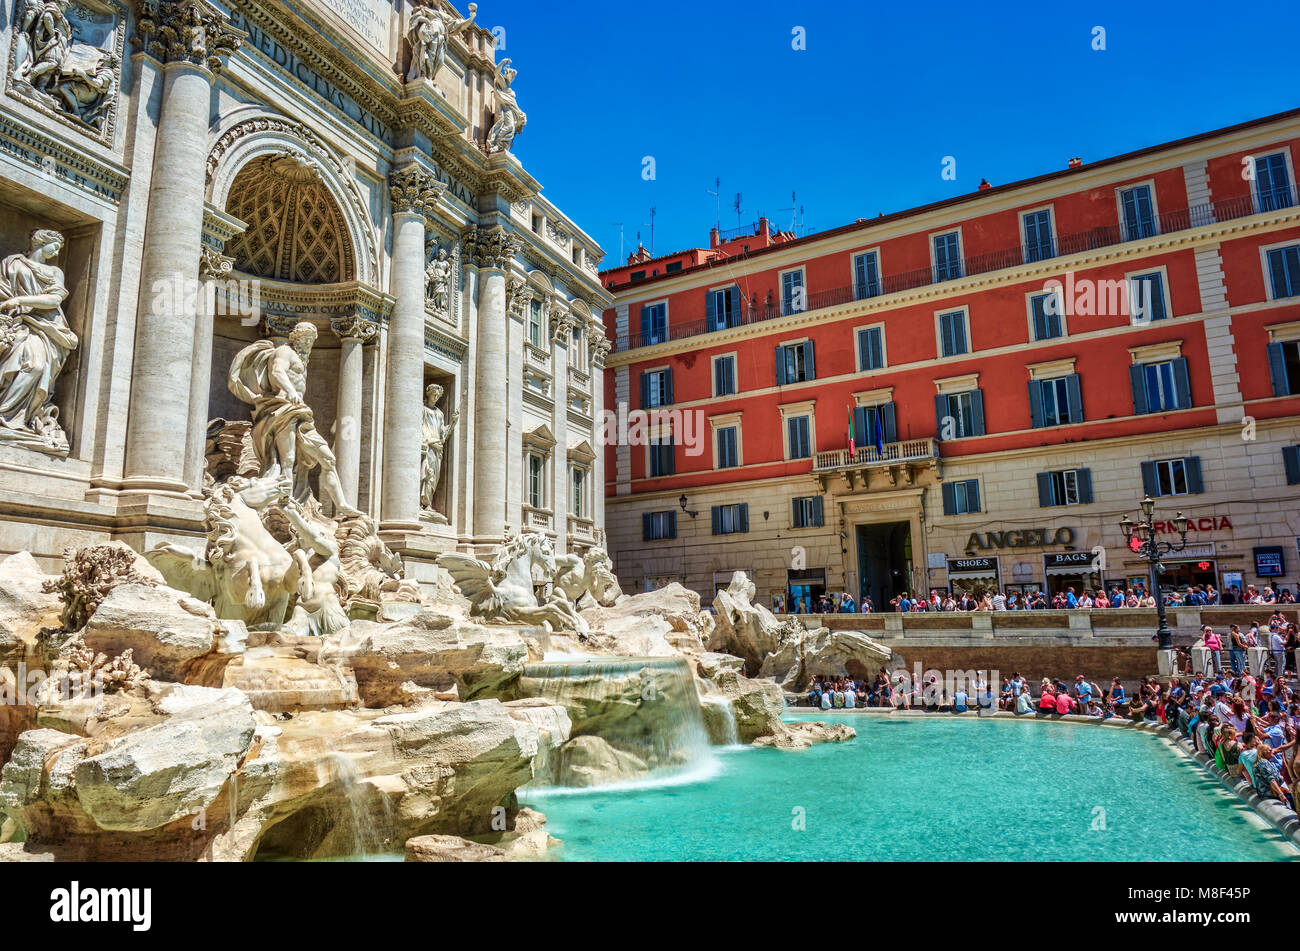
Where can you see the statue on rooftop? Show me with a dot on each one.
(429, 30)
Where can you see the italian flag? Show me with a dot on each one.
(853, 441)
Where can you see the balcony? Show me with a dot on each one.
(1199, 216)
(901, 462)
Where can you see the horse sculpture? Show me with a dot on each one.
(506, 590)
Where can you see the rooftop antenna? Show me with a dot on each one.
(795, 210)
(736, 204)
(717, 200)
(651, 225)
(619, 226)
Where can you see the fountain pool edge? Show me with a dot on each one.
(1275, 815)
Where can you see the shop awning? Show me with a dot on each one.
(974, 573)
(1088, 568)
(972, 568)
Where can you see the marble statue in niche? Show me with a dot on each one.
(438, 282)
(436, 429)
(35, 342)
(510, 120)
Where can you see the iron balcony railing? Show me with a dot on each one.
(755, 311)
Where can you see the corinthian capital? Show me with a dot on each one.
(600, 345)
(414, 191)
(213, 265)
(354, 328)
(491, 247)
(185, 31)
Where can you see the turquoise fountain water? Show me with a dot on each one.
(938, 789)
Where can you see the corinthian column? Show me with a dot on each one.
(492, 250)
(353, 333)
(414, 194)
(213, 268)
(189, 39)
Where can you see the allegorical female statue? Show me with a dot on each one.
(427, 33)
(434, 441)
(35, 342)
(510, 119)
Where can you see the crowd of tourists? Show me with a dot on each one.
(1035, 600)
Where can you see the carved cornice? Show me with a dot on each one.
(277, 326)
(414, 191)
(493, 247)
(213, 265)
(355, 328)
(185, 31)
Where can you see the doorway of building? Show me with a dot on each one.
(884, 562)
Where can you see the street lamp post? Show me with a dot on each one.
(1143, 542)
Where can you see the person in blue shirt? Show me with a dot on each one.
(1070, 598)
(1117, 692)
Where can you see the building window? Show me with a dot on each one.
(1291, 462)
(579, 492)
(577, 352)
(794, 300)
(1170, 477)
(870, 421)
(672, 267)
(636, 276)
(1045, 309)
(799, 437)
(795, 363)
(728, 447)
(723, 308)
(654, 323)
(1038, 236)
(1055, 402)
(661, 458)
(961, 498)
(535, 323)
(656, 526)
(1139, 212)
(1069, 487)
(953, 341)
(731, 519)
(657, 388)
(807, 512)
(536, 481)
(947, 256)
(1161, 387)
(960, 415)
(1284, 271)
(866, 275)
(871, 348)
(1284, 367)
(724, 375)
(1147, 297)
(1272, 183)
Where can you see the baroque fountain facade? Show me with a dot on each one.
(301, 484)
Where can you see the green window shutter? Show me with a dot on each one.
(1291, 459)
(1075, 389)
(1150, 483)
(977, 412)
(1045, 497)
(888, 423)
(744, 516)
(1195, 484)
(1084, 477)
(949, 498)
(1036, 404)
(780, 366)
(646, 520)
(973, 495)
(672, 523)
(819, 518)
(717, 519)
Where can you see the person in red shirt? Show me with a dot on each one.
(1064, 703)
(1047, 702)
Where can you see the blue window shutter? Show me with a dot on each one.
(977, 412)
(668, 385)
(711, 310)
(645, 324)
(780, 366)
(744, 516)
(1182, 385)
(810, 368)
(949, 498)
(672, 523)
(645, 390)
(1291, 459)
(1195, 484)
(940, 412)
(1277, 369)
(734, 294)
(1075, 390)
(1084, 477)
(973, 495)
(1036, 404)
(888, 422)
(819, 517)
(1045, 498)
(877, 341)
(646, 519)
(794, 514)
(1138, 376)
(1150, 484)
(862, 431)
(717, 519)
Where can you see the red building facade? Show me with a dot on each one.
(1020, 366)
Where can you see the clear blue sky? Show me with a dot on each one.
(860, 121)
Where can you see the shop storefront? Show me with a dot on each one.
(804, 589)
(1080, 570)
(1196, 565)
(973, 576)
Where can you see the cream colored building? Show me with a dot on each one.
(221, 173)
